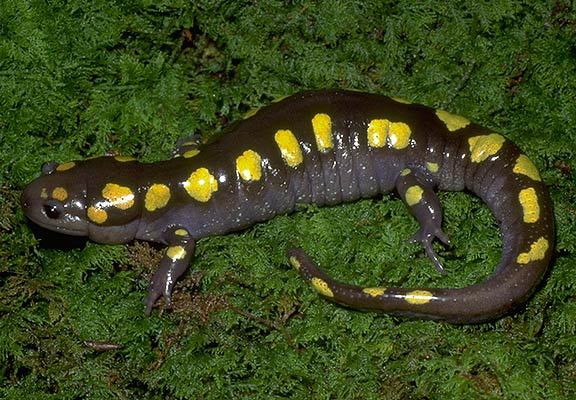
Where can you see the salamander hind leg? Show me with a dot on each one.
(173, 264)
(425, 206)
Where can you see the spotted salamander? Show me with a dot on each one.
(322, 147)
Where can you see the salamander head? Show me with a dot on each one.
(84, 198)
(57, 200)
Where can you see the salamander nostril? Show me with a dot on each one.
(24, 200)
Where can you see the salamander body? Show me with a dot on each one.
(323, 147)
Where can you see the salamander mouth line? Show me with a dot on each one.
(59, 229)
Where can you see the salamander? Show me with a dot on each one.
(322, 147)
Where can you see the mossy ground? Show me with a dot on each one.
(80, 78)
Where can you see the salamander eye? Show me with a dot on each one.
(49, 167)
(53, 209)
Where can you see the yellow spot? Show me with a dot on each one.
(529, 201)
(43, 193)
(405, 171)
(59, 193)
(181, 232)
(119, 196)
(419, 297)
(414, 195)
(377, 132)
(452, 121)
(156, 197)
(295, 263)
(525, 167)
(289, 146)
(124, 158)
(399, 135)
(249, 166)
(322, 287)
(176, 252)
(374, 291)
(201, 184)
(537, 252)
(400, 100)
(322, 126)
(65, 166)
(97, 215)
(250, 113)
(191, 153)
(432, 167)
(482, 147)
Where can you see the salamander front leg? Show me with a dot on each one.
(425, 206)
(173, 264)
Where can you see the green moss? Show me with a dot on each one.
(80, 78)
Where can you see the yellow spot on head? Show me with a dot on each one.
(97, 215)
(377, 132)
(65, 166)
(295, 263)
(289, 147)
(530, 207)
(124, 158)
(59, 193)
(419, 297)
(414, 195)
(400, 100)
(482, 147)
(43, 193)
(322, 126)
(452, 121)
(157, 196)
(176, 252)
(399, 135)
(181, 232)
(119, 196)
(201, 184)
(322, 287)
(537, 252)
(525, 167)
(374, 291)
(432, 167)
(405, 171)
(249, 166)
(191, 153)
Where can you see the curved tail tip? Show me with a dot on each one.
(295, 255)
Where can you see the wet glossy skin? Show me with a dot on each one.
(322, 147)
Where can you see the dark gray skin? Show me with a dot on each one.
(350, 170)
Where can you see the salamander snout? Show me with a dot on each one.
(56, 203)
